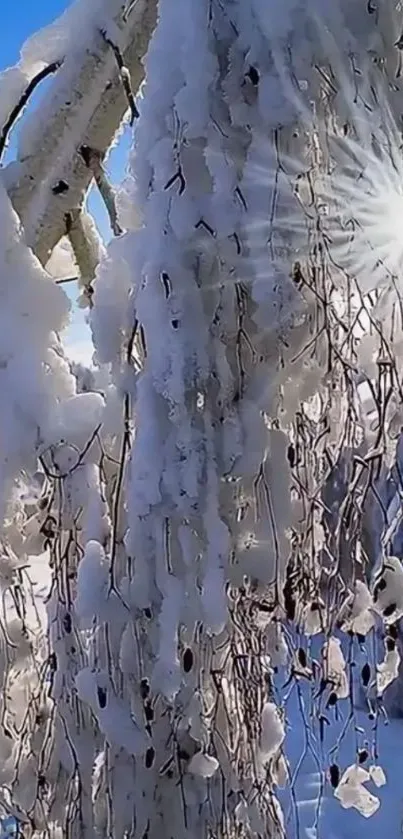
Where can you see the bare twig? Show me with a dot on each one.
(33, 84)
(64, 280)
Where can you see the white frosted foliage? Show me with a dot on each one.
(32, 309)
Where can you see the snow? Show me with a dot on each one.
(62, 264)
(114, 717)
(334, 670)
(272, 731)
(79, 416)
(92, 584)
(352, 793)
(32, 309)
(388, 589)
(170, 506)
(357, 611)
(387, 671)
(203, 765)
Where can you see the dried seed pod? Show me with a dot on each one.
(67, 623)
(289, 600)
(101, 693)
(380, 586)
(388, 611)
(365, 674)
(334, 775)
(144, 688)
(291, 456)
(187, 660)
(390, 644)
(149, 759)
(393, 631)
(253, 75)
(302, 657)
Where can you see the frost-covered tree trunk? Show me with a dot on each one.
(213, 508)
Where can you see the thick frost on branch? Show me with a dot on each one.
(15, 113)
(33, 310)
(88, 89)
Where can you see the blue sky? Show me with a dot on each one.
(22, 19)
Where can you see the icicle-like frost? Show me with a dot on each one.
(207, 488)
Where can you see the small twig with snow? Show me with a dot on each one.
(81, 455)
(15, 113)
(124, 75)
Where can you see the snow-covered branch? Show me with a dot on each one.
(220, 498)
(48, 70)
(84, 105)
